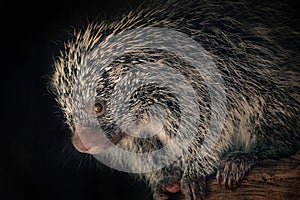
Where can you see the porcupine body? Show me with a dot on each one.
(258, 64)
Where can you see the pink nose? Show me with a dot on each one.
(90, 140)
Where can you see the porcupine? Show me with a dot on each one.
(258, 63)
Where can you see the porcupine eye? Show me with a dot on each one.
(99, 108)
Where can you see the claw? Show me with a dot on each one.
(173, 188)
(233, 169)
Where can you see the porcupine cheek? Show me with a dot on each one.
(90, 140)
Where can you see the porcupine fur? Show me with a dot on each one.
(259, 64)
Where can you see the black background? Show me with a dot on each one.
(37, 158)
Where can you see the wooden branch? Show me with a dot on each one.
(272, 179)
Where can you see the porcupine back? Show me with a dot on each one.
(258, 63)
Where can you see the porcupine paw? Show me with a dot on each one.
(193, 187)
(169, 185)
(233, 168)
(186, 189)
(168, 191)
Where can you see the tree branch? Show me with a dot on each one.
(271, 179)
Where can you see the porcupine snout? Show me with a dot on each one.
(89, 139)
